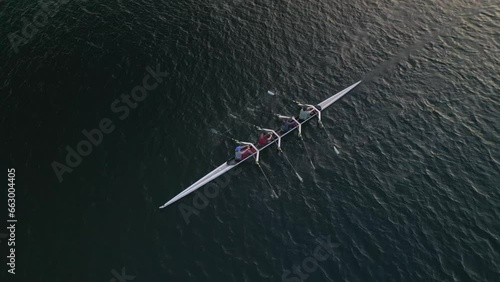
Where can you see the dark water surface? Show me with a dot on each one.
(413, 196)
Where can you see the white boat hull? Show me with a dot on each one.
(223, 168)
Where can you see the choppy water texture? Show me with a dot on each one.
(413, 196)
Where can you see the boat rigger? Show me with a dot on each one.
(253, 150)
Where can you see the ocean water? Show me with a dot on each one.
(412, 196)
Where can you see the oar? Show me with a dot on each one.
(272, 93)
(291, 165)
(239, 119)
(322, 126)
(262, 170)
(300, 135)
(273, 194)
(329, 138)
(307, 152)
(286, 158)
(224, 134)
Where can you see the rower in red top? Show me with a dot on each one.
(265, 138)
(242, 152)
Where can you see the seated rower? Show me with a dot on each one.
(306, 112)
(287, 125)
(265, 138)
(238, 152)
(241, 152)
(247, 152)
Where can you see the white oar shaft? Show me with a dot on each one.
(307, 152)
(329, 138)
(268, 181)
(291, 165)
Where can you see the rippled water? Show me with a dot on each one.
(413, 196)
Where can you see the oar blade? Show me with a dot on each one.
(299, 177)
(274, 195)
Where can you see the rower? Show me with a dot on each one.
(265, 137)
(239, 151)
(250, 149)
(288, 124)
(248, 152)
(306, 112)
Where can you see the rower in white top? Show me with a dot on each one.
(307, 111)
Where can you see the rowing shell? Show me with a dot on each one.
(223, 168)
